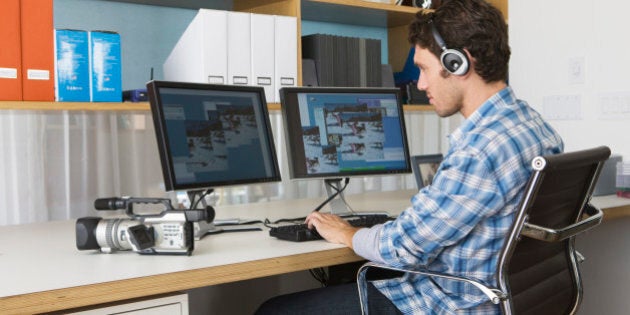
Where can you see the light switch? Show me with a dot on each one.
(577, 70)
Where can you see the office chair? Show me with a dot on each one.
(537, 271)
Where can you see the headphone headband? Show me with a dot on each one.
(454, 61)
(436, 36)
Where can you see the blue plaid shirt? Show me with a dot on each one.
(459, 223)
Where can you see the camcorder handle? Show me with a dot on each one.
(119, 203)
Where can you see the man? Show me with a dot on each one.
(458, 224)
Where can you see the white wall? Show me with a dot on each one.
(550, 40)
(568, 62)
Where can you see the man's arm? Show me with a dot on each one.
(366, 243)
(332, 228)
(363, 241)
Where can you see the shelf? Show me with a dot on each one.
(188, 4)
(85, 106)
(418, 108)
(56, 106)
(357, 12)
(127, 106)
(406, 108)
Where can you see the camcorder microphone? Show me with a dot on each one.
(113, 203)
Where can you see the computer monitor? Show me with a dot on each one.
(336, 133)
(212, 135)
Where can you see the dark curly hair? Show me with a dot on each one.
(473, 25)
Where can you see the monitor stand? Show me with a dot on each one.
(337, 201)
(202, 228)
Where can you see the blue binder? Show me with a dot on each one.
(105, 66)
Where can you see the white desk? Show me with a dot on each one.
(42, 271)
(613, 206)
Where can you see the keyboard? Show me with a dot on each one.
(301, 232)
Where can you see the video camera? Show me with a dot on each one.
(168, 233)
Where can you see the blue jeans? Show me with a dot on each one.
(337, 299)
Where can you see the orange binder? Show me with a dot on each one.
(10, 58)
(38, 50)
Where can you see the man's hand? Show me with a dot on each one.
(331, 227)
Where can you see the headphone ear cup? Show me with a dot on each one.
(454, 61)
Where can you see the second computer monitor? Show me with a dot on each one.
(342, 132)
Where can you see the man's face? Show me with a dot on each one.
(442, 89)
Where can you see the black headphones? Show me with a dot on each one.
(454, 61)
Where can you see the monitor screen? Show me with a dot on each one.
(341, 132)
(212, 135)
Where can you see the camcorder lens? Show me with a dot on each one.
(86, 233)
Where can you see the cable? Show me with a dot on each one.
(194, 203)
(300, 220)
(320, 275)
(331, 197)
(241, 223)
(250, 222)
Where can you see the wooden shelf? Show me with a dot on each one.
(418, 108)
(86, 106)
(406, 108)
(188, 4)
(127, 106)
(273, 106)
(357, 12)
(26, 105)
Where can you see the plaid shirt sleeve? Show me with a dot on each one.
(444, 213)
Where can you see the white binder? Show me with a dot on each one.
(239, 63)
(200, 54)
(262, 53)
(285, 53)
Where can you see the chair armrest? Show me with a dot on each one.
(493, 294)
(552, 235)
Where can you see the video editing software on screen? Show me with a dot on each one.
(351, 132)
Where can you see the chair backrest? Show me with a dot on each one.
(537, 265)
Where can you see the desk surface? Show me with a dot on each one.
(41, 269)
